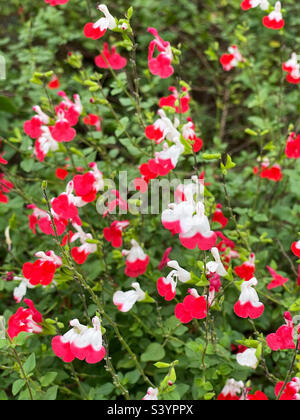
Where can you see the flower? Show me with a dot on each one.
(43, 270)
(166, 160)
(258, 396)
(283, 339)
(166, 286)
(247, 269)
(193, 306)
(292, 68)
(113, 234)
(218, 216)
(165, 259)
(33, 127)
(21, 290)
(56, 2)
(216, 266)
(248, 304)
(65, 205)
(292, 149)
(161, 65)
(231, 60)
(250, 4)
(54, 83)
(296, 248)
(62, 130)
(110, 59)
(189, 133)
(25, 320)
(231, 390)
(152, 394)
(43, 220)
(277, 281)
(163, 129)
(61, 173)
(126, 300)
(179, 102)
(88, 185)
(274, 20)
(72, 110)
(45, 144)
(98, 29)
(81, 253)
(80, 342)
(136, 262)
(93, 120)
(291, 392)
(248, 358)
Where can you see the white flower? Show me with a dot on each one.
(217, 265)
(248, 358)
(125, 300)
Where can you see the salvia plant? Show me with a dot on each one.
(149, 193)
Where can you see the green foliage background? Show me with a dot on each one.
(35, 37)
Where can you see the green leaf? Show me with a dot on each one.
(47, 379)
(51, 394)
(153, 352)
(30, 364)
(17, 386)
(7, 106)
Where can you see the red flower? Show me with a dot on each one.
(219, 217)
(274, 20)
(292, 149)
(193, 306)
(54, 83)
(113, 234)
(110, 59)
(277, 279)
(175, 100)
(161, 65)
(283, 338)
(43, 270)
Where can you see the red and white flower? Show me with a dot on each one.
(283, 339)
(163, 129)
(247, 269)
(215, 267)
(21, 290)
(136, 260)
(98, 29)
(296, 248)
(43, 220)
(251, 4)
(274, 20)
(56, 2)
(80, 342)
(166, 286)
(248, 358)
(160, 65)
(152, 394)
(189, 133)
(65, 205)
(45, 144)
(88, 185)
(166, 160)
(80, 253)
(231, 390)
(292, 67)
(114, 233)
(25, 320)
(248, 304)
(72, 110)
(291, 392)
(193, 306)
(43, 270)
(273, 173)
(231, 60)
(33, 127)
(126, 300)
